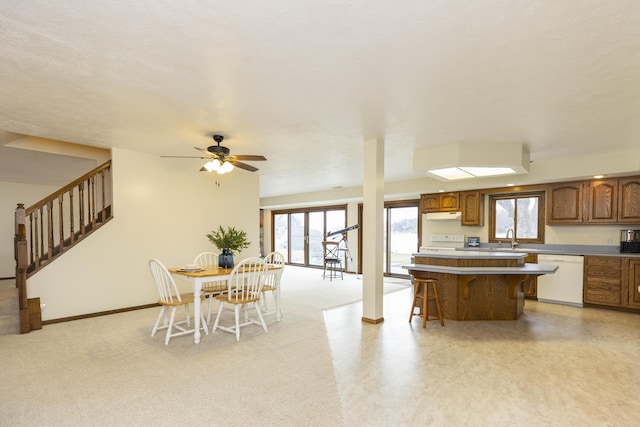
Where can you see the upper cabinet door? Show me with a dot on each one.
(472, 207)
(629, 200)
(565, 203)
(450, 202)
(603, 201)
(430, 203)
(440, 202)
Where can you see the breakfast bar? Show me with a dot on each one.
(475, 285)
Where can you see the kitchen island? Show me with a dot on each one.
(475, 285)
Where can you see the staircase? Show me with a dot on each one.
(49, 228)
(9, 319)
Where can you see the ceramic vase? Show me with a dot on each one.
(225, 259)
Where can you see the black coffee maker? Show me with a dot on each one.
(630, 241)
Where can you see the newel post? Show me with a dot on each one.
(20, 249)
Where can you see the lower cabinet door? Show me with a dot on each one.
(634, 282)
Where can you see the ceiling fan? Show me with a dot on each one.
(220, 160)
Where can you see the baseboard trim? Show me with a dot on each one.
(100, 313)
(373, 321)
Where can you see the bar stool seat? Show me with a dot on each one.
(421, 291)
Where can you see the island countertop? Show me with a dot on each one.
(469, 254)
(527, 268)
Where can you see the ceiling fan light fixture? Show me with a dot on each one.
(226, 167)
(212, 165)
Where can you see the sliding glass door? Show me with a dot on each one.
(401, 237)
(298, 234)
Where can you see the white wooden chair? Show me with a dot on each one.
(170, 299)
(213, 288)
(243, 291)
(275, 268)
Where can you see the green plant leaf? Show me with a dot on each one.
(231, 238)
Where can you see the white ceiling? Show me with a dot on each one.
(305, 83)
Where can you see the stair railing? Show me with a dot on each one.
(55, 224)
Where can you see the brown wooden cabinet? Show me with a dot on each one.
(629, 200)
(633, 281)
(440, 202)
(472, 207)
(603, 279)
(530, 289)
(565, 203)
(602, 201)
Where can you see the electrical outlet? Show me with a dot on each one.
(551, 239)
(609, 241)
(43, 307)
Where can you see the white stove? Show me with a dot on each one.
(444, 242)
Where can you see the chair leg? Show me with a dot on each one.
(435, 293)
(425, 303)
(205, 325)
(264, 325)
(215, 325)
(160, 316)
(210, 298)
(187, 314)
(277, 297)
(172, 317)
(237, 313)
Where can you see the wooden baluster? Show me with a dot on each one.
(61, 222)
(92, 199)
(103, 207)
(38, 244)
(50, 231)
(32, 245)
(81, 205)
(72, 229)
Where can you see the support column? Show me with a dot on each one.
(372, 231)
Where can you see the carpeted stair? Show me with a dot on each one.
(9, 316)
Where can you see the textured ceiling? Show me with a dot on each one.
(305, 83)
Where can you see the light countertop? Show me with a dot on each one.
(525, 269)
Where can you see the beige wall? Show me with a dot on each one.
(10, 195)
(162, 209)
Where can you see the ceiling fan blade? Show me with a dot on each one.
(243, 165)
(249, 157)
(205, 151)
(185, 157)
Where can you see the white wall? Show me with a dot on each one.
(162, 209)
(10, 195)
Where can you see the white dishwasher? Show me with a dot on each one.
(565, 285)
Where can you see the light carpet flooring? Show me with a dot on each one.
(321, 366)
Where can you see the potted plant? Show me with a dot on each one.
(228, 242)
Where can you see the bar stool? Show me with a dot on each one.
(421, 290)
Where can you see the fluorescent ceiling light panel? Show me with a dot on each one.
(488, 171)
(471, 160)
(450, 173)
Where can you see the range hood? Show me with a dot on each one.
(443, 215)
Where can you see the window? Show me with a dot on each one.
(523, 213)
(298, 233)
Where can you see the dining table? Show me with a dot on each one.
(198, 277)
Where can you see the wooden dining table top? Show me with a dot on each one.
(208, 270)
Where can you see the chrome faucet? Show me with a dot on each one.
(511, 234)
